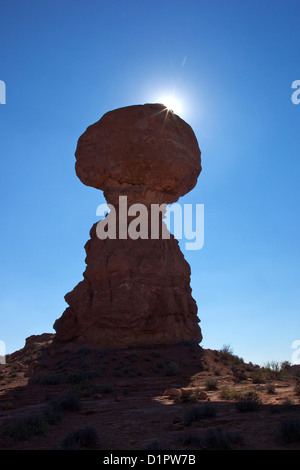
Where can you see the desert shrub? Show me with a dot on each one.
(297, 388)
(287, 405)
(53, 414)
(290, 431)
(28, 359)
(190, 438)
(52, 379)
(250, 367)
(211, 384)
(132, 356)
(208, 411)
(248, 402)
(227, 393)
(86, 438)
(24, 428)
(190, 396)
(226, 350)
(191, 415)
(131, 371)
(198, 412)
(217, 439)
(81, 376)
(155, 353)
(228, 358)
(284, 366)
(87, 389)
(226, 353)
(76, 377)
(69, 402)
(239, 373)
(276, 369)
(271, 389)
(258, 377)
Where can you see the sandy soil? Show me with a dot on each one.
(178, 397)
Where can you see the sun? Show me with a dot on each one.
(172, 103)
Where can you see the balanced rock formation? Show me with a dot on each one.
(135, 289)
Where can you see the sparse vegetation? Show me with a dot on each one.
(198, 412)
(69, 402)
(239, 374)
(211, 384)
(191, 415)
(287, 405)
(208, 411)
(217, 371)
(217, 439)
(71, 377)
(227, 393)
(26, 427)
(194, 411)
(155, 353)
(248, 402)
(297, 388)
(190, 438)
(86, 438)
(132, 356)
(258, 377)
(270, 389)
(276, 370)
(237, 365)
(51, 379)
(87, 389)
(53, 414)
(226, 350)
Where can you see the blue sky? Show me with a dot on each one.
(231, 64)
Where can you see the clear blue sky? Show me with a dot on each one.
(66, 63)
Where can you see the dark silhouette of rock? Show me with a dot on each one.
(135, 291)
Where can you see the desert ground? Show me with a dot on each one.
(56, 396)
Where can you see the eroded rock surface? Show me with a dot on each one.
(135, 291)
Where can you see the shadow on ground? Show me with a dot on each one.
(177, 397)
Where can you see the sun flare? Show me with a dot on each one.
(172, 103)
